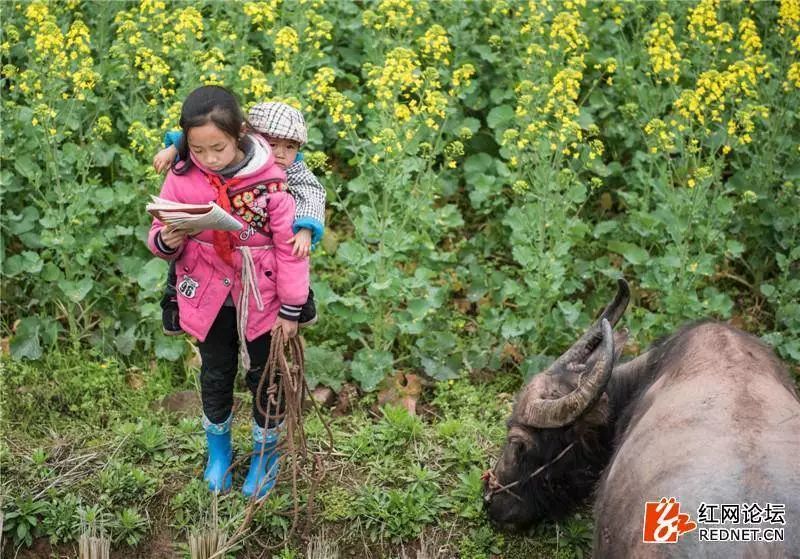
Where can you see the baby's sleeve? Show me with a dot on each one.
(172, 138)
(292, 271)
(309, 196)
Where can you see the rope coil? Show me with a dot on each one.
(284, 375)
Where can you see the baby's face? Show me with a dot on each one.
(284, 150)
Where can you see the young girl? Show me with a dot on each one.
(284, 128)
(232, 290)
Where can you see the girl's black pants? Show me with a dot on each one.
(219, 355)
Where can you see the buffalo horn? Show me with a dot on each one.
(587, 343)
(548, 414)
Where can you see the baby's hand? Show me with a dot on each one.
(302, 243)
(164, 158)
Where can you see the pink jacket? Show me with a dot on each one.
(205, 280)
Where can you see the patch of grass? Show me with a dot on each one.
(392, 478)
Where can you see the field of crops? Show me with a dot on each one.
(492, 167)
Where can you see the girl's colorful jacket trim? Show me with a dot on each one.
(205, 280)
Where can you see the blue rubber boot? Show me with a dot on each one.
(263, 467)
(220, 454)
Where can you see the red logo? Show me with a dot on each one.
(664, 521)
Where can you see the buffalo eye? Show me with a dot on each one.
(518, 447)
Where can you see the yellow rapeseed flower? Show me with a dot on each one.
(394, 15)
(141, 138)
(287, 44)
(565, 32)
(704, 25)
(463, 75)
(318, 29)
(262, 14)
(399, 75)
(435, 45)
(189, 21)
(789, 16)
(255, 82)
(151, 66)
(102, 126)
(78, 38)
(36, 14)
(665, 58)
(793, 75)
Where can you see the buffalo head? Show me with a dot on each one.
(558, 440)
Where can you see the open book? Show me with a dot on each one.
(192, 217)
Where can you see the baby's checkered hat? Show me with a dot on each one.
(278, 120)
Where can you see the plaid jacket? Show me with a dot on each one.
(309, 196)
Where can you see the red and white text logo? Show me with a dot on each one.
(664, 521)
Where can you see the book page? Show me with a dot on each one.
(193, 217)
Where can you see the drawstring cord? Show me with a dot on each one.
(249, 284)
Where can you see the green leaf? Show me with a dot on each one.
(767, 289)
(24, 116)
(500, 94)
(169, 347)
(26, 166)
(22, 531)
(793, 171)
(576, 193)
(325, 366)
(500, 117)
(571, 312)
(478, 164)
(126, 341)
(350, 253)
(359, 185)
(514, 326)
(485, 52)
(103, 197)
(370, 366)
(51, 221)
(603, 228)
(585, 119)
(482, 189)
(27, 261)
(440, 369)
(76, 291)
(734, 248)
(472, 123)
(26, 343)
(22, 223)
(153, 274)
(631, 252)
(102, 154)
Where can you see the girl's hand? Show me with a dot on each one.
(302, 243)
(164, 158)
(288, 327)
(173, 238)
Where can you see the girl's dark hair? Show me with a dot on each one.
(210, 103)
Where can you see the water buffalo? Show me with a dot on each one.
(708, 416)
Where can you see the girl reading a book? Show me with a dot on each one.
(233, 292)
(284, 129)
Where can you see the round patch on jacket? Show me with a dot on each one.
(188, 287)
